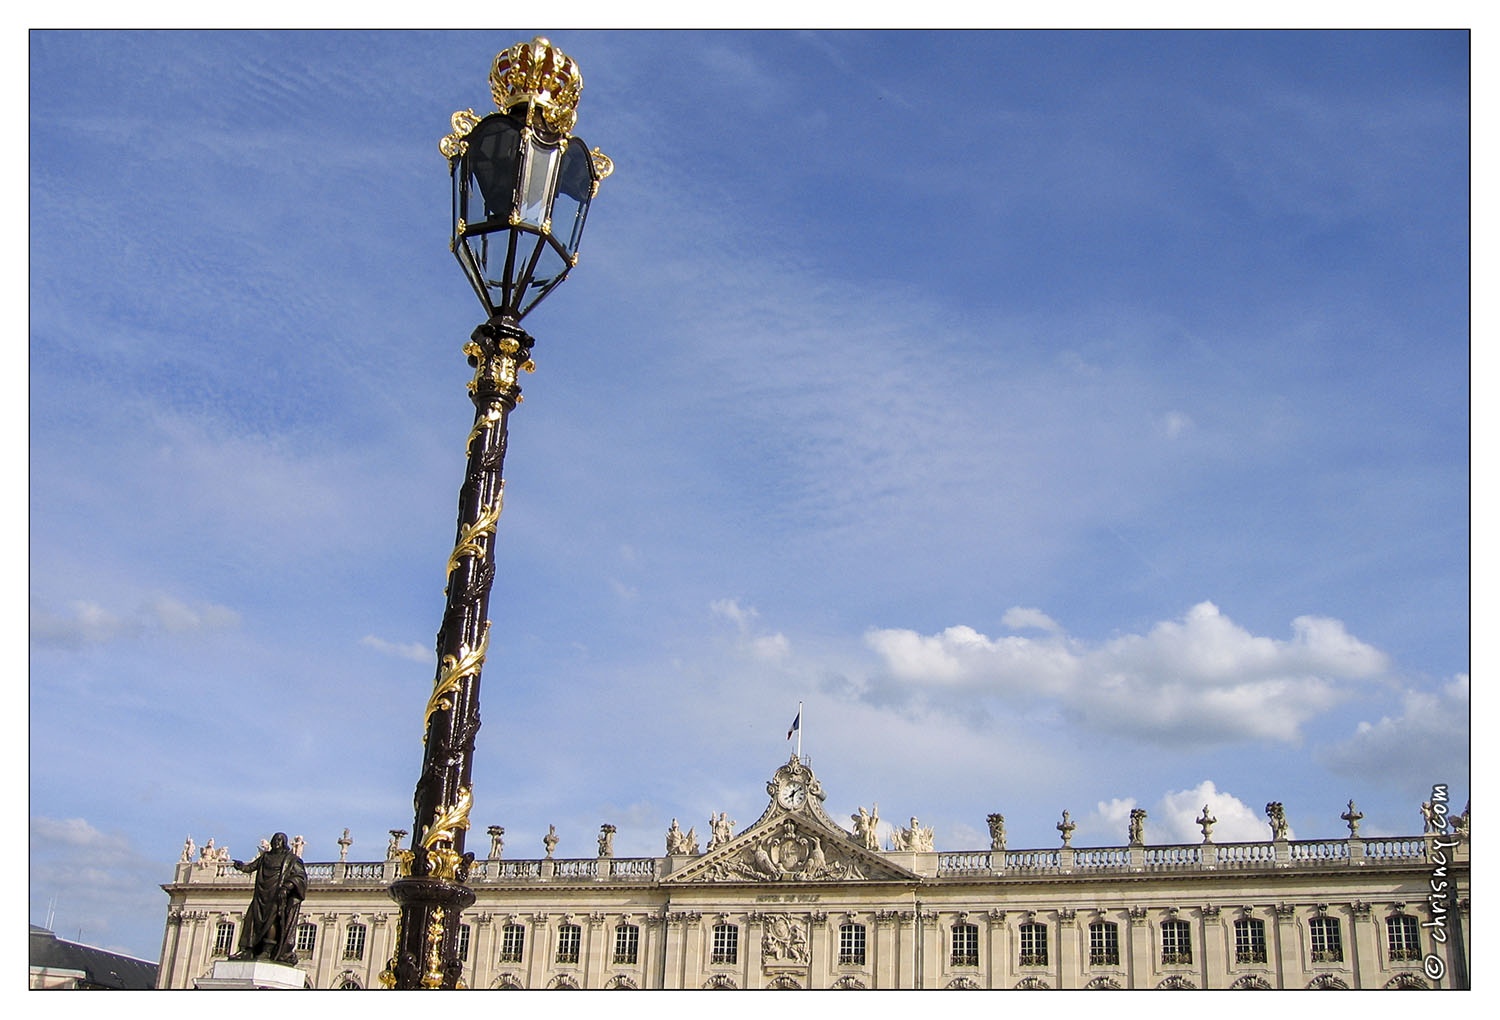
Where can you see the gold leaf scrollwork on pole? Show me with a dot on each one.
(453, 672)
(486, 421)
(434, 976)
(387, 977)
(445, 860)
(470, 534)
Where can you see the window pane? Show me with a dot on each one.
(540, 169)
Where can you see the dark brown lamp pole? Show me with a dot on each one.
(522, 185)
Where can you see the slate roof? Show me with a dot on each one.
(102, 969)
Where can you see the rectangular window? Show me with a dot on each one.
(1176, 942)
(569, 939)
(627, 943)
(224, 938)
(1401, 938)
(1104, 944)
(1327, 945)
(965, 946)
(354, 943)
(1249, 941)
(512, 943)
(726, 947)
(1033, 945)
(463, 942)
(307, 938)
(852, 944)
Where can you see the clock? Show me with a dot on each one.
(791, 795)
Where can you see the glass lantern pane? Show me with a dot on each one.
(575, 186)
(490, 162)
(540, 172)
(551, 267)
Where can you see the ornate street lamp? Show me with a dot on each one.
(522, 185)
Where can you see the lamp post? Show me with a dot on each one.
(522, 185)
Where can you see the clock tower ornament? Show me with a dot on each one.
(793, 785)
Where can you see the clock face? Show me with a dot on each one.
(791, 795)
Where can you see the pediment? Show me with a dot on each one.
(791, 846)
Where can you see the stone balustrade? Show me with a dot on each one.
(1319, 854)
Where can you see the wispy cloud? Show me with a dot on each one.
(410, 651)
(83, 622)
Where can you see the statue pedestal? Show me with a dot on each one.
(246, 975)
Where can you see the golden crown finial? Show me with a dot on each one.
(541, 75)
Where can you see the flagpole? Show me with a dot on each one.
(799, 731)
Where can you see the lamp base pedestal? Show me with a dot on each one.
(427, 937)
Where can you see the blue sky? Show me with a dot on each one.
(1071, 420)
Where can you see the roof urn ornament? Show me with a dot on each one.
(1066, 827)
(1352, 817)
(550, 840)
(1206, 823)
(344, 843)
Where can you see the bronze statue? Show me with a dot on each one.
(271, 920)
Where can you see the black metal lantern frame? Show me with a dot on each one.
(521, 194)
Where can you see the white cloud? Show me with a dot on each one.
(1200, 679)
(412, 651)
(773, 647)
(1427, 742)
(623, 590)
(1018, 618)
(730, 610)
(1174, 819)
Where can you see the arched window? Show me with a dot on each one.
(1033, 945)
(1401, 938)
(569, 939)
(627, 944)
(512, 943)
(354, 942)
(965, 946)
(224, 938)
(849, 982)
(1327, 943)
(852, 944)
(1102, 983)
(1176, 981)
(726, 944)
(784, 982)
(508, 982)
(622, 981)
(1104, 944)
(963, 984)
(719, 981)
(1032, 984)
(1249, 940)
(1176, 942)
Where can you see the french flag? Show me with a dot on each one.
(796, 725)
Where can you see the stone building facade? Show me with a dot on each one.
(795, 900)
